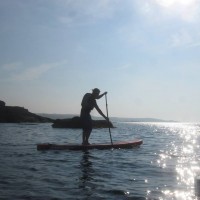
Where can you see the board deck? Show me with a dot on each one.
(116, 145)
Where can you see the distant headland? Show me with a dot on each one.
(113, 119)
(16, 114)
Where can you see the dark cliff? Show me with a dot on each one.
(15, 114)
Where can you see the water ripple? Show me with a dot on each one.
(164, 167)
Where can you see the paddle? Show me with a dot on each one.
(108, 119)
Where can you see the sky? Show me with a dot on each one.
(145, 54)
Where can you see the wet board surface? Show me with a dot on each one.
(115, 145)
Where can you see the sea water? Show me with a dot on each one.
(164, 167)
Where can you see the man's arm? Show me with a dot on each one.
(101, 95)
(100, 112)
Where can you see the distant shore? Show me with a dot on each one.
(16, 114)
(122, 119)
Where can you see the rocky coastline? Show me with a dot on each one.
(75, 123)
(16, 114)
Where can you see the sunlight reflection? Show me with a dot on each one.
(127, 193)
(183, 154)
(183, 195)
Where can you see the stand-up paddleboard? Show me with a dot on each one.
(116, 145)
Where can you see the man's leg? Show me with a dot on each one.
(87, 129)
(84, 137)
(87, 137)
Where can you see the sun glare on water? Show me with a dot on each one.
(184, 153)
(181, 158)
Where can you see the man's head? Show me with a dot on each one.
(96, 92)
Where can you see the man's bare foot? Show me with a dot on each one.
(85, 143)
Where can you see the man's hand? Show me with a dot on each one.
(107, 119)
(101, 95)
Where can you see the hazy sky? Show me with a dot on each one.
(145, 53)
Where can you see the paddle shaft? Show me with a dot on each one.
(108, 119)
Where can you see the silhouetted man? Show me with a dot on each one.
(88, 103)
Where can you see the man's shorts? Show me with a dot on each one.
(86, 121)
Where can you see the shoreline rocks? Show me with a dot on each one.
(2, 104)
(15, 114)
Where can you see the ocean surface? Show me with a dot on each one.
(164, 167)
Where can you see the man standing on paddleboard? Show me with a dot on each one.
(89, 103)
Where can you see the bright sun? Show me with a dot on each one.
(186, 10)
(169, 3)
